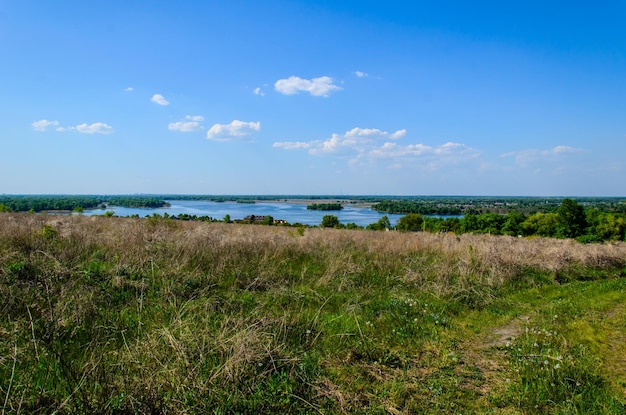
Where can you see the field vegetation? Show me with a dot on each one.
(38, 203)
(325, 206)
(106, 315)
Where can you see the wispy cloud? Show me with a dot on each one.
(430, 157)
(236, 129)
(319, 87)
(393, 150)
(372, 144)
(292, 145)
(159, 99)
(357, 140)
(360, 74)
(84, 128)
(129, 89)
(43, 125)
(95, 128)
(258, 91)
(190, 124)
(375, 133)
(529, 156)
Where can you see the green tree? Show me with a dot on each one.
(571, 218)
(410, 222)
(269, 220)
(451, 225)
(470, 223)
(542, 224)
(4, 208)
(490, 223)
(352, 225)
(330, 221)
(513, 223)
(611, 227)
(382, 224)
(227, 218)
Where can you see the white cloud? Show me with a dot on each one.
(159, 99)
(191, 124)
(365, 144)
(355, 141)
(398, 134)
(374, 133)
(257, 91)
(360, 74)
(95, 128)
(563, 150)
(184, 126)
(42, 125)
(450, 148)
(129, 89)
(393, 150)
(236, 129)
(292, 145)
(319, 87)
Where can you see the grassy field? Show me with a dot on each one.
(153, 316)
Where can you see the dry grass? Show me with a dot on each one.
(121, 315)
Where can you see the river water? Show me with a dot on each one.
(291, 212)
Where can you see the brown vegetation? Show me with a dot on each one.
(121, 315)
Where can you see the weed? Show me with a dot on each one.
(119, 315)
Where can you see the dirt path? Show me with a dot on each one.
(614, 358)
(484, 369)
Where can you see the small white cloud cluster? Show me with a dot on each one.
(218, 132)
(95, 128)
(236, 129)
(190, 124)
(319, 87)
(374, 144)
(159, 99)
(42, 125)
(356, 140)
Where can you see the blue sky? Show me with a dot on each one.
(313, 97)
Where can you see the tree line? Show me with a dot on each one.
(569, 220)
(39, 203)
(325, 206)
(461, 205)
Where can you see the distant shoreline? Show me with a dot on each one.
(353, 203)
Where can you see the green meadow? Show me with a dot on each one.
(106, 315)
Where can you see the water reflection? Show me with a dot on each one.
(291, 212)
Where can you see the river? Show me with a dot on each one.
(291, 212)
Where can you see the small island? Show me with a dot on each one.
(325, 206)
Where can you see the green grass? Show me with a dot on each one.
(129, 316)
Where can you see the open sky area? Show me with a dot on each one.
(313, 97)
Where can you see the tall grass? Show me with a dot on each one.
(119, 315)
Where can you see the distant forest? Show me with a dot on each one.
(585, 219)
(325, 206)
(39, 203)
